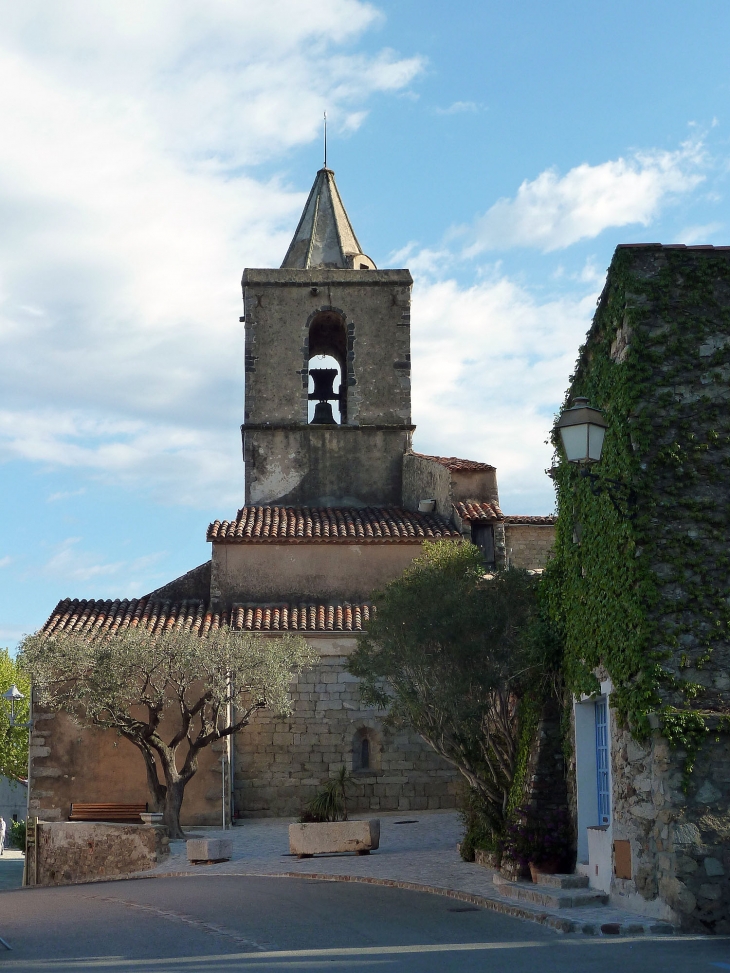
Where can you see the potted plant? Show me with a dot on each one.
(330, 804)
(537, 842)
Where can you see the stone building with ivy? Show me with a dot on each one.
(640, 587)
(336, 504)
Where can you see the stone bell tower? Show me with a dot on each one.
(327, 298)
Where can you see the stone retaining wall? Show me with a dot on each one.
(77, 851)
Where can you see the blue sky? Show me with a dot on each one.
(152, 149)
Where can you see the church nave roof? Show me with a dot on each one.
(330, 525)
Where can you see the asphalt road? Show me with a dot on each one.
(221, 924)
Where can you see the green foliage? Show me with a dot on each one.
(530, 708)
(646, 598)
(13, 739)
(129, 680)
(16, 836)
(330, 804)
(686, 729)
(478, 832)
(450, 653)
(539, 838)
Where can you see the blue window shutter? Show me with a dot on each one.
(604, 796)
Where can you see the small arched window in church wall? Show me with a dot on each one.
(366, 751)
(327, 369)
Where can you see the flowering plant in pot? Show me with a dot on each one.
(538, 842)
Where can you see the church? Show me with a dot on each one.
(336, 504)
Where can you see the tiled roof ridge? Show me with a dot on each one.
(547, 520)
(92, 616)
(455, 464)
(329, 525)
(486, 510)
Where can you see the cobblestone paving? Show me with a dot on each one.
(416, 851)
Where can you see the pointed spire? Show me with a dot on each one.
(325, 237)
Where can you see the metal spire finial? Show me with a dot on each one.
(325, 140)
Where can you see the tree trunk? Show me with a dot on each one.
(173, 802)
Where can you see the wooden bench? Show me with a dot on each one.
(107, 812)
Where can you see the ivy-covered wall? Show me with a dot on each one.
(642, 593)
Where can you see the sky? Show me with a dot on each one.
(152, 149)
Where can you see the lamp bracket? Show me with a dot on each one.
(622, 496)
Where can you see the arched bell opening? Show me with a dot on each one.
(327, 369)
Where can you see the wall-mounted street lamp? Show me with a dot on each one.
(582, 430)
(14, 695)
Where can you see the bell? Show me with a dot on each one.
(323, 414)
(324, 379)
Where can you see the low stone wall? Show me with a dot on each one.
(78, 851)
(528, 545)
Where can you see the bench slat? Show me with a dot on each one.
(106, 812)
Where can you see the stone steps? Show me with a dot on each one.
(563, 881)
(550, 896)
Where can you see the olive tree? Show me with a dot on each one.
(450, 652)
(170, 694)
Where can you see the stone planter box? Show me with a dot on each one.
(209, 849)
(330, 837)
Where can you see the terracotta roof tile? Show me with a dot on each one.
(536, 521)
(455, 464)
(472, 510)
(329, 525)
(90, 617)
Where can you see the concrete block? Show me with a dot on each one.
(335, 836)
(209, 849)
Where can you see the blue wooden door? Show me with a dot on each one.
(604, 795)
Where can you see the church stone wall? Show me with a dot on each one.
(279, 763)
(474, 485)
(289, 572)
(72, 763)
(325, 466)
(287, 459)
(423, 479)
(375, 305)
(282, 763)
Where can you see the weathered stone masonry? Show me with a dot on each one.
(657, 361)
(282, 763)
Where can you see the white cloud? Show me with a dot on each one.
(699, 234)
(65, 495)
(70, 562)
(5, 561)
(490, 366)
(178, 463)
(458, 108)
(553, 211)
(128, 213)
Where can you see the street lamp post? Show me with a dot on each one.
(13, 695)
